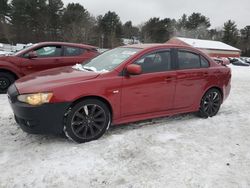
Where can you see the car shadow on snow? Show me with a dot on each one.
(163, 121)
(18, 135)
(15, 134)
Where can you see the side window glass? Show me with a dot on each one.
(204, 62)
(26, 55)
(155, 62)
(72, 51)
(188, 60)
(49, 51)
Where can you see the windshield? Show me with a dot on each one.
(108, 60)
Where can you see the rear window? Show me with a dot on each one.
(73, 51)
(190, 60)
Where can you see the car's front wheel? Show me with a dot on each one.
(87, 120)
(210, 103)
(6, 79)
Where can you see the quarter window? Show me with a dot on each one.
(72, 51)
(155, 62)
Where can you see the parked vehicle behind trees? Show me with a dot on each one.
(41, 56)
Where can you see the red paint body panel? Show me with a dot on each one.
(150, 92)
(21, 66)
(134, 97)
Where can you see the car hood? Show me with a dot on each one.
(49, 79)
(5, 57)
(9, 58)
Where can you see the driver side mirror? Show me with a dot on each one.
(134, 69)
(32, 55)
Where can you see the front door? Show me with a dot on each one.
(47, 57)
(151, 91)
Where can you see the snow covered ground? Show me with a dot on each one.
(179, 151)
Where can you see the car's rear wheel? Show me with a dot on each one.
(88, 120)
(6, 79)
(210, 103)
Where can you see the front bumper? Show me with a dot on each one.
(43, 119)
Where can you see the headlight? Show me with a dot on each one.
(35, 98)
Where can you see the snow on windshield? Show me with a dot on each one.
(87, 69)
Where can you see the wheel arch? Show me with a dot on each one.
(105, 101)
(215, 87)
(202, 112)
(10, 72)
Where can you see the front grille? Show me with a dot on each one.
(26, 123)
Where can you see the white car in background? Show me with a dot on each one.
(246, 59)
(239, 62)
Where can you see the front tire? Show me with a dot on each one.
(6, 79)
(210, 103)
(88, 120)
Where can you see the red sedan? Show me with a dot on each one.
(122, 85)
(42, 56)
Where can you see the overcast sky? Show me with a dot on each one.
(139, 11)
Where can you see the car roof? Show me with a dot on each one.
(68, 44)
(158, 45)
(152, 46)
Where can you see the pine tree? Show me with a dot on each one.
(231, 34)
(4, 21)
(111, 28)
(54, 19)
(77, 23)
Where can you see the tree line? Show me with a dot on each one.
(31, 21)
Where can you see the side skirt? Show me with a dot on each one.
(134, 118)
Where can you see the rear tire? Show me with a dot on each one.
(210, 103)
(6, 79)
(88, 120)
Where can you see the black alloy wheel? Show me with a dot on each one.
(88, 120)
(210, 103)
(6, 80)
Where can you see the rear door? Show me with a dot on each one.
(151, 91)
(74, 55)
(192, 77)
